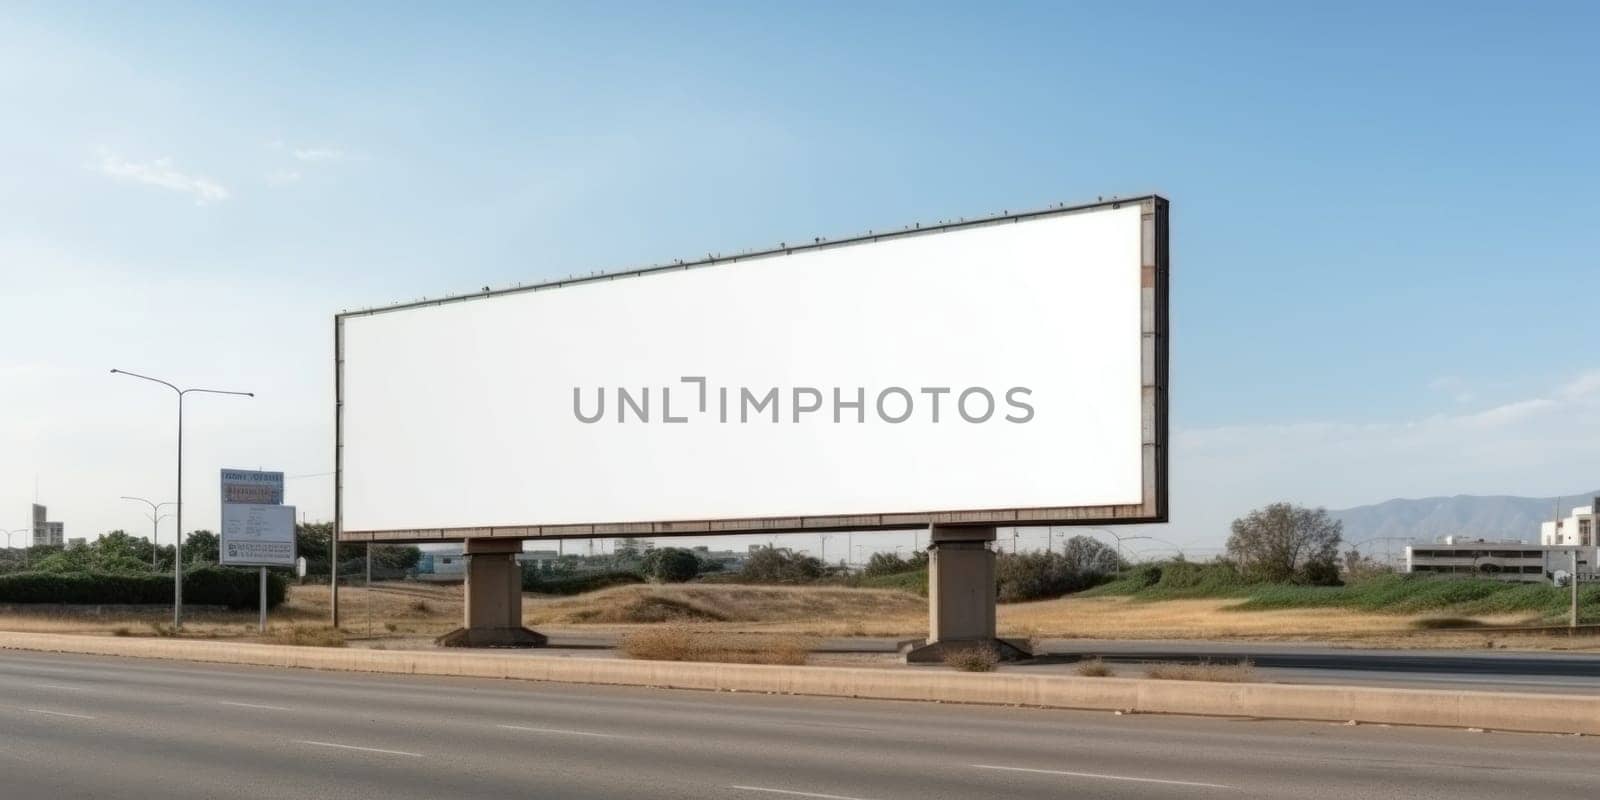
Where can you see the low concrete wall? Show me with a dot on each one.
(1548, 713)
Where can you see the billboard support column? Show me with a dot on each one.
(263, 621)
(961, 597)
(492, 616)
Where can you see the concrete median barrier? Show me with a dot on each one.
(1544, 713)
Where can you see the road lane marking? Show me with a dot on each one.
(562, 732)
(58, 713)
(793, 793)
(252, 705)
(828, 725)
(362, 749)
(1102, 776)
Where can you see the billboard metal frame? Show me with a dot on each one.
(1155, 335)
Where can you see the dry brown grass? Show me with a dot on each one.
(804, 610)
(306, 636)
(388, 603)
(1122, 617)
(973, 659)
(411, 614)
(679, 643)
(1236, 672)
(1094, 668)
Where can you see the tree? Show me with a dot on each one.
(200, 547)
(1359, 566)
(114, 553)
(670, 565)
(311, 541)
(629, 549)
(886, 564)
(118, 544)
(1285, 542)
(1038, 575)
(1088, 556)
(781, 565)
(72, 558)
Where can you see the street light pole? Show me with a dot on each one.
(177, 544)
(1120, 539)
(155, 527)
(1572, 617)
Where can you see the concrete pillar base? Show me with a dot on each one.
(919, 651)
(492, 637)
(492, 616)
(961, 597)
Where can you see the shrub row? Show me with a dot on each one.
(532, 581)
(211, 586)
(1021, 577)
(1413, 594)
(1175, 580)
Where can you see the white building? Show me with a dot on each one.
(46, 533)
(1504, 560)
(50, 534)
(1576, 530)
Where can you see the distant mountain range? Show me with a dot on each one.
(1493, 516)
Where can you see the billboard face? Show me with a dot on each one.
(252, 487)
(1008, 370)
(257, 535)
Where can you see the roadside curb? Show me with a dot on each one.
(1504, 711)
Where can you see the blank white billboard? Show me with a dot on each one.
(1002, 370)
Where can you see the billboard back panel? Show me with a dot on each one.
(1002, 370)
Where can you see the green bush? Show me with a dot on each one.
(881, 564)
(1383, 593)
(1021, 577)
(780, 565)
(670, 565)
(234, 588)
(1174, 580)
(914, 582)
(568, 584)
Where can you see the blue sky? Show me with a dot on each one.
(1383, 215)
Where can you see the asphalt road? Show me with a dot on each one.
(1283, 662)
(83, 726)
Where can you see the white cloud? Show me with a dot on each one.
(163, 174)
(283, 177)
(90, 437)
(319, 154)
(1455, 387)
(1538, 445)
